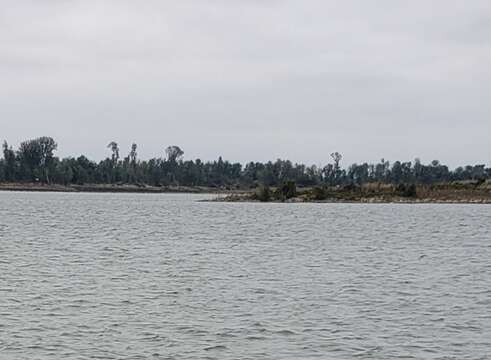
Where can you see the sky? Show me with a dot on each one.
(250, 79)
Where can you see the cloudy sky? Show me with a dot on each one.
(251, 79)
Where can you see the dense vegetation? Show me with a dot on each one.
(35, 161)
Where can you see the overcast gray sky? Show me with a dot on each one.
(251, 79)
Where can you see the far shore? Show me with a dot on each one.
(437, 194)
(112, 188)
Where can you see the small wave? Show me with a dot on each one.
(285, 332)
(216, 347)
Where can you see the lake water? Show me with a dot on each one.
(138, 276)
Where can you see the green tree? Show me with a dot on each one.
(47, 146)
(36, 157)
(10, 162)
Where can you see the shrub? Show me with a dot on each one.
(318, 193)
(287, 190)
(263, 193)
(406, 190)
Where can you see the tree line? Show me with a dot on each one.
(35, 161)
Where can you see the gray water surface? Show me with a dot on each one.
(135, 276)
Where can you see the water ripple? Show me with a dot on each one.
(141, 276)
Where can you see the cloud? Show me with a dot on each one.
(251, 80)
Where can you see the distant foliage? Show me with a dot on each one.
(35, 161)
(319, 193)
(406, 190)
(286, 191)
(263, 193)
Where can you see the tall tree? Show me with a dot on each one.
(10, 162)
(133, 154)
(336, 157)
(46, 147)
(29, 155)
(36, 157)
(174, 153)
(115, 151)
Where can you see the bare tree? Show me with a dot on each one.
(174, 153)
(337, 158)
(115, 151)
(133, 154)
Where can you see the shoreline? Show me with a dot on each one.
(369, 194)
(247, 196)
(361, 201)
(95, 188)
